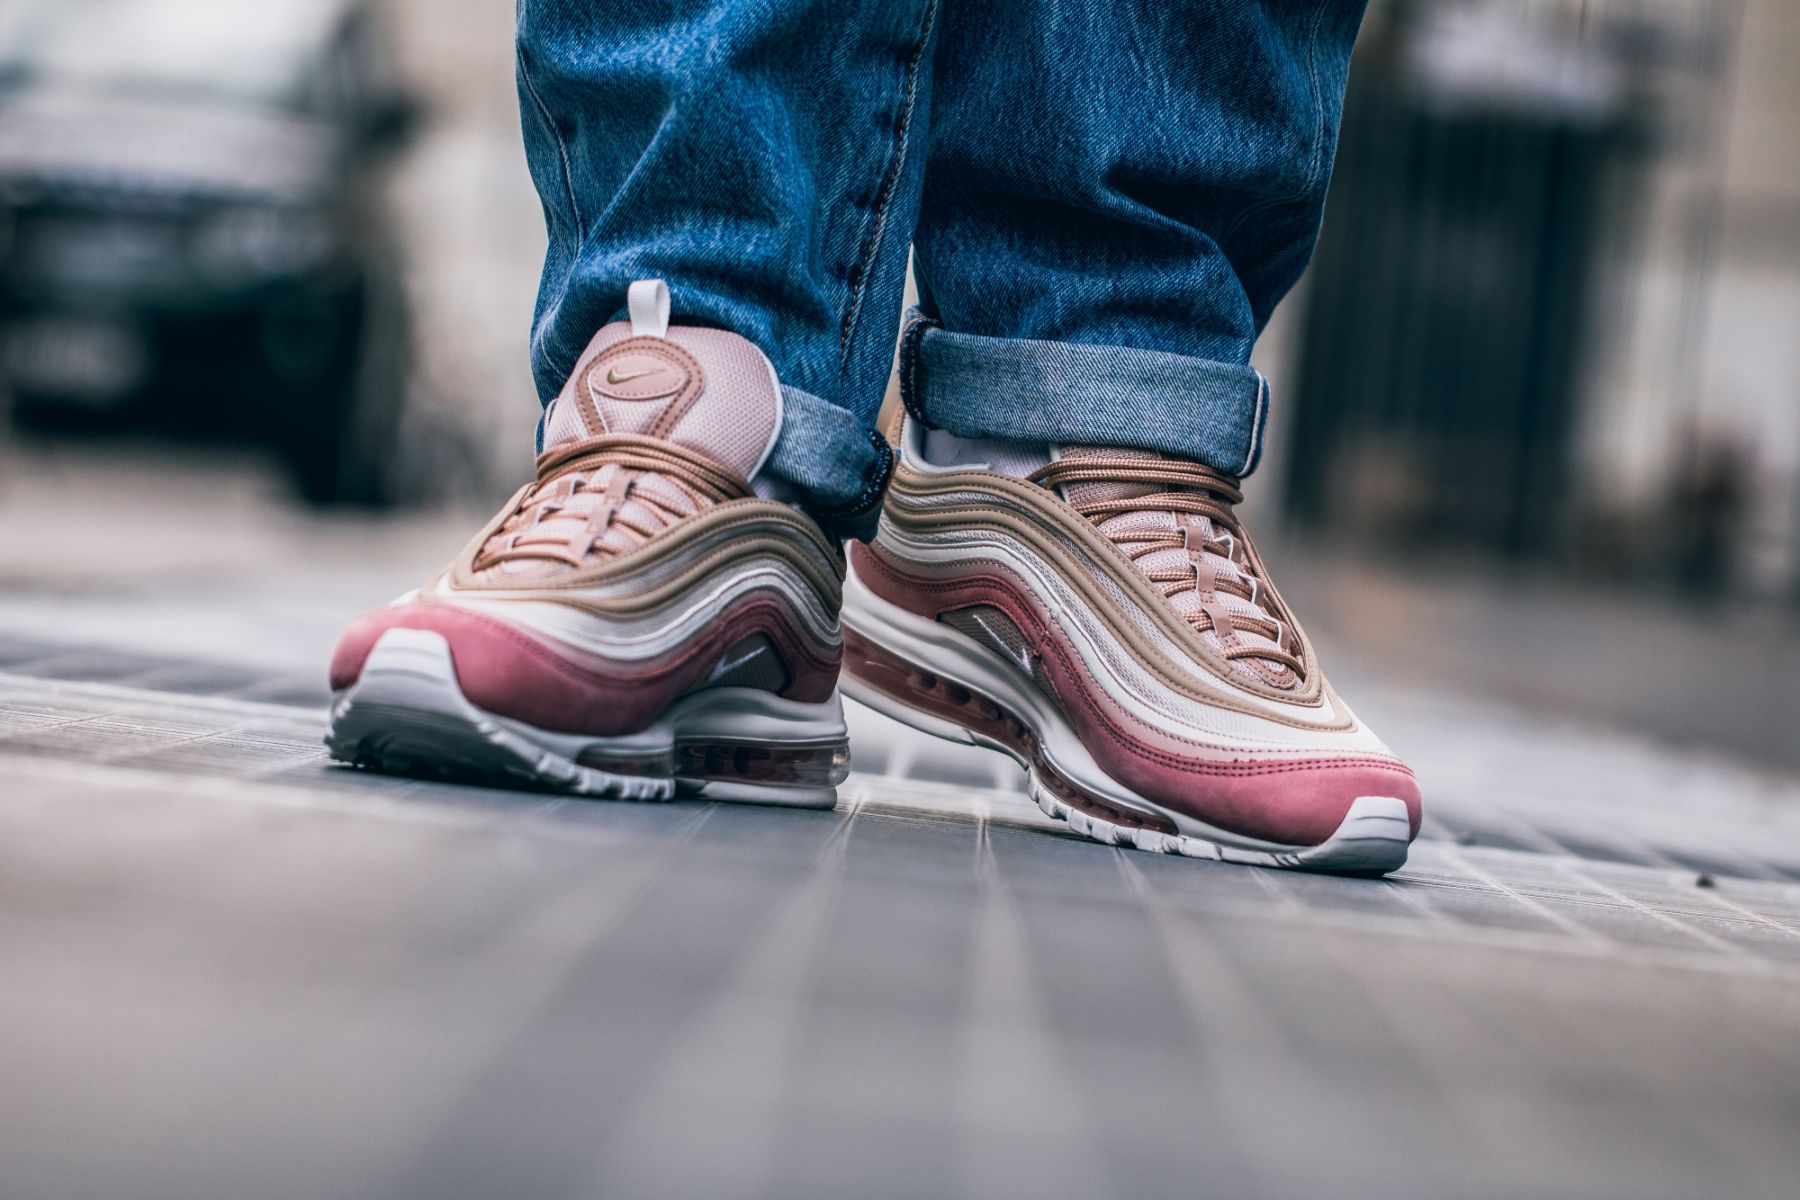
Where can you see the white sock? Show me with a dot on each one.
(1017, 459)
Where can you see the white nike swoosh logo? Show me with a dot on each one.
(613, 376)
(726, 668)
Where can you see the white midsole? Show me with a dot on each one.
(953, 655)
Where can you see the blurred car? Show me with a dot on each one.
(189, 238)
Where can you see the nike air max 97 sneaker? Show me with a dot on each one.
(1101, 616)
(637, 622)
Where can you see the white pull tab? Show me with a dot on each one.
(648, 302)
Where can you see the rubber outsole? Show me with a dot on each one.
(939, 681)
(406, 715)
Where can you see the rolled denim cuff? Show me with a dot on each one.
(1064, 393)
(840, 465)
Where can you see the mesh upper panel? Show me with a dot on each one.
(995, 630)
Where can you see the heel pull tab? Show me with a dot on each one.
(647, 300)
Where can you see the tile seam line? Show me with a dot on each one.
(1568, 867)
(11, 682)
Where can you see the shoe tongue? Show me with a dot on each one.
(707, 390)
(1085, 491)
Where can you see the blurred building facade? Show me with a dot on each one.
(473, 240)
(1555, 314)
(1554, 311)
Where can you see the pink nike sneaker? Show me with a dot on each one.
(638, 622)
(1102, 617)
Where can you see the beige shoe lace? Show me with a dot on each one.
(604, 496)
(1205, 527)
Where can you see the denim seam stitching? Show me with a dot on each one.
(562, 146)
(912, 345)
(1256, 423)
(1318, 147)
(890, 183)
(872, 489)
(547, 342)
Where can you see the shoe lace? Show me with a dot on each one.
(604, 496)
(1219, 561)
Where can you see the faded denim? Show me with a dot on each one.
(1106, 201)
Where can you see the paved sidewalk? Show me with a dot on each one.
(236, 970)
(233, 969)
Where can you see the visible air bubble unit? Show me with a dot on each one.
(407, 714)
(820, 765)
(931, 694)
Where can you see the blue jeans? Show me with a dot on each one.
(1105, 200)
